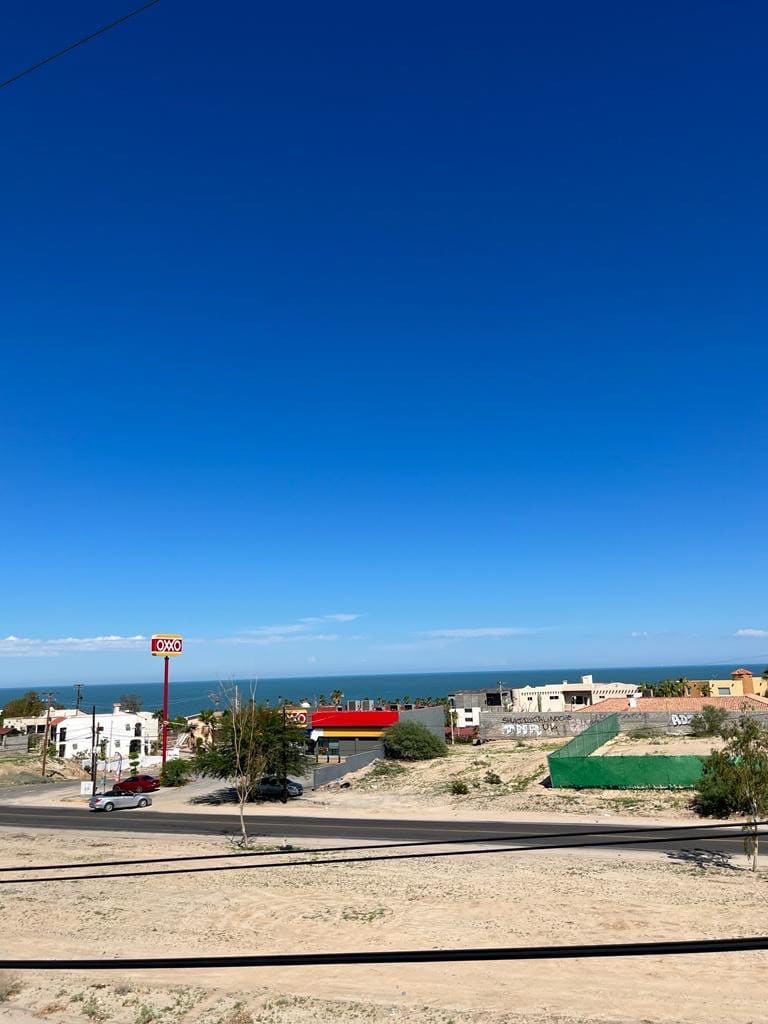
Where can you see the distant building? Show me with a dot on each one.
(465, 705)
(567, 696)
(348, 732)
(120, 734)
(742, 683)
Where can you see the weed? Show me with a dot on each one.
(93, 1010)
(353, 914)
(459, 788)
(492, 779)
(240, 1015)
(9, 986)
(145, 1014)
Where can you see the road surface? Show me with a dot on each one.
(529, 834)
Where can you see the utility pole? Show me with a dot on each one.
(48, 698)
(93, 749)
(284, 794)
(78, 687)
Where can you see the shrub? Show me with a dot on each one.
(492, 779)
(9, 986)
(411, 741)
(644, 732)
(459, 788)
(710, 722)
(175, 773)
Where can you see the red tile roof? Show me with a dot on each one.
(741, 672)
(750, 703)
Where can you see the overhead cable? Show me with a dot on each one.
(406, 956)
(80, 42)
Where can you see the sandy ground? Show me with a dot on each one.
(506, 780)
(701, 746)
(423, 788)
(500, 899)
(18, 769)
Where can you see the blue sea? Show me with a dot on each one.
(189, 697)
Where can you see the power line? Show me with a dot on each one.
(80, 42)
(364, 860)
(406, 956)
(682, 832)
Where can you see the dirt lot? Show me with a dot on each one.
(700, 746)
(20, 769)
(501, 899)
(389, 788)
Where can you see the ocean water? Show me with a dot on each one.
(188, 697)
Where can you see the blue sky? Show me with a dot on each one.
(418, 338)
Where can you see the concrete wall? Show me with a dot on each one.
(503, 725)
(432, 718)
(13, 745)
(495, 725)
(326, 773)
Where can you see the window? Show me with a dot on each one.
(62, 735)
(127, 726)
(553, 696)
(724, 691)
(117, 743)
(74, 746)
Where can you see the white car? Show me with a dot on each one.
(111, 801)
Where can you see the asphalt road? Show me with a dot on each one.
(692, 842)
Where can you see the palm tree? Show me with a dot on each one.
(336, 698)
(321, 700)
(207, 719)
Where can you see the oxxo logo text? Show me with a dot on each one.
(167, 645)
(299, 717)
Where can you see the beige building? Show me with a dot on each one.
(567, 696)
(742, 683)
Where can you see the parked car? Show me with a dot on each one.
(138, 784)
(113, 800)
(271, 787)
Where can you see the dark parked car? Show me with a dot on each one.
(112, 800)
(271, 788)
(139, 784)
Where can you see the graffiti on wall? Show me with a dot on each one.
(682, 719)
(546, 725)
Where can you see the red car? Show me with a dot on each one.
(139, 784)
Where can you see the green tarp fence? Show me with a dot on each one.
(572, 766)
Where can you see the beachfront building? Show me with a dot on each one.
(469, 705)
(567, 696)
(742, 683)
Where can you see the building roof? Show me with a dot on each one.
(353, 719)
(741, 672)
(750, 703)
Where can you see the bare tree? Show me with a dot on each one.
(249, 758)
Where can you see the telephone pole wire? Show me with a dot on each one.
(80, 42)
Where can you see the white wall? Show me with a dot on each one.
(114, 732)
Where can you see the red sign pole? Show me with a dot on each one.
(165, 709)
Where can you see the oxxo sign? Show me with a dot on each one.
(167, 645)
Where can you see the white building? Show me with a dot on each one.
(119, 734)
(567, 696)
